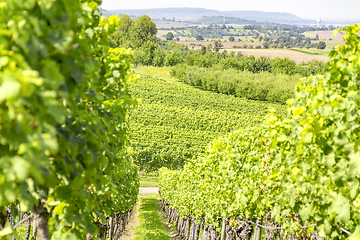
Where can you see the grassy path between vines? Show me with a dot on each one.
(147, 222)
(160, 72)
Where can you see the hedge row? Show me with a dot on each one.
(260, 86)
(256, 65)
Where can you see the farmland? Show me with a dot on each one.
(324, 35)
(274, 53)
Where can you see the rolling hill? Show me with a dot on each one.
(186, 14)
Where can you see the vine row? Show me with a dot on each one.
(64, 98)
(303, 168)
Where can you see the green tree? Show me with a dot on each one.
(231, 39)
(203, 50)
(142, 31)
(169, 36)
(317, 37)
(173, 58)
(321, 45)
(199, 38)
(217, 46)
(266, 38)
(159, 57)
(121, 38)
(146, 54)
(266, 44)
(283, 65)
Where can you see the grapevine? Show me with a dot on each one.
(303, 169)
(63, 102)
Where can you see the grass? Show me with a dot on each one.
(151, 226)
(333, 43)
(162, 73)
(312, 51)
(306, 34)
(149, 181)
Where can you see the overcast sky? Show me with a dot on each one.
(311, 9)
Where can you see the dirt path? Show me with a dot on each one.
(148, 189)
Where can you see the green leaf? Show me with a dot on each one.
(59, 208)
(90, 32)
(57, 111)
(330, 160)
(327, 227)
(341, 207)
(307, 138)
(9, 89)
(305, 213)
(21, 168)
(354, 165)
(7, 230)
(344, 212)
(77, 75)
(50, 70)
(282, 138)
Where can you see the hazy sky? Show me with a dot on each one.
(311, 9)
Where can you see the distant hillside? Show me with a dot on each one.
(177, 13)
(105, 12)
(276, 17)
(196, 13)
(220, 20)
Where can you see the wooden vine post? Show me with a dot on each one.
(111, 228)
(223, 233)
(258, 229)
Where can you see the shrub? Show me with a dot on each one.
(173, 58)
(260, 86)
(283, 65)
(321, 45)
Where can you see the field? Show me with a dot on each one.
(324, 35)
(161, 24)
(330, 44)
(226, 44)
(312, 51)
(273, 53)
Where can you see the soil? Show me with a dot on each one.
(148, 189)
(325, 35)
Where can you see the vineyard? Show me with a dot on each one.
(65, 167)
(77, 124)
(296, 176)
(175, 121)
